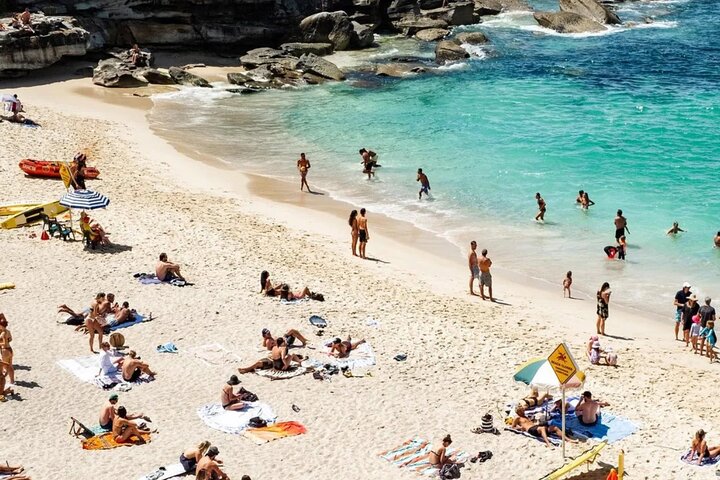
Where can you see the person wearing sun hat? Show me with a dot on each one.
(208, 467)
(228, 398)
(679, 303)
(690, 309)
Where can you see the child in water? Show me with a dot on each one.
(567, 282)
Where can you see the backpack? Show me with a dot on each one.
(257, 422)
(450, 470)
(247, 396)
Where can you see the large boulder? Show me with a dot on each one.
(432, 34)
(155, 76)
(449, 51)
(472, 38)
(487, 7)
(398, 70)
(590, 9)
(297, 49)
(265, 56)
(186, 78)
(145, 59)
(567, 22)
(310, 63)
(411, 24)
(113, 73)
(461, 13)
(328, 27)
(363, 36)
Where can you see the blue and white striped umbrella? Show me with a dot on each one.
(84, 199)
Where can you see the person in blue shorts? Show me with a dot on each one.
(679, 302)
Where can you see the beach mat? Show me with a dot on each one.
(274, 432)
(106, 441)
(610, 428)
(273, 374)
(214, 354)
(689, 458)
(139, 318)
(86, 369)
(414, 455)
(151, 279)
(551, 438)
(168, 471)
(234, 421)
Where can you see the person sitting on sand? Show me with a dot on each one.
(228, 398)
(108, 412)
(290, 336)
(166, 270)
(133, 368)
(266, 286)
(281, 359)
(108, 362)
(208, 468)
(123, 429)
(700, 448)
(588, 410)
(13, 473)
(123, 314)
(534, 399)
(539, 430)
(287, 295)
(190, 457)
(675, 229)
(439, 456)
(342, 349)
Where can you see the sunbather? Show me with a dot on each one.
(286, 294)
(108, 362)
(75, 317)
(123, 429)
(699, 447)
(281, 359)
(290, 336)
(588, 410)
(4, 388)
(6, 351)
(438, 456)
(166, 270)
(534, 399)
(190, 457)
(539, 430)
(123, 314)
(342, 349)
(95, 321)
(14, 473)
(228, 398)
(208, 467)
(263, 364)
(108, 412)
(133, 368)
(267, 287)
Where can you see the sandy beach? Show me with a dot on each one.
(224, 227)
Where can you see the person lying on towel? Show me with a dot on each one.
(342, 349)
(540, 429)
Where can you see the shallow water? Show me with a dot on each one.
(630, 116)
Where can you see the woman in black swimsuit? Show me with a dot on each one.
(438, 456)
(603, 299)
(699, 447)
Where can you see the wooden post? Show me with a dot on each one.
(621, 464)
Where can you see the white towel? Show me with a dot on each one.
(87, 368)
(234, 421)
(362, 357)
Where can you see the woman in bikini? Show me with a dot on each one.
(342, 349)
(438, 456)
(354, 232)
(123, 429)
(603, 300)
(534, 399)
(228, 398)
(287, 295)
(266, 286)
(6, 351)
(95, 321)
(190, 457)
(699, 447)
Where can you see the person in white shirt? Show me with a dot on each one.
(108, 363)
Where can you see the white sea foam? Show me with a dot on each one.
(476, 51)
(453, 66)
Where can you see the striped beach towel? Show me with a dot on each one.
(414, 455)
(282, 374)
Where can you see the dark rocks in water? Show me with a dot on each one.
(268, 56)
(455, 14)
(410, 25)
(312, 79)
(183, 77)
(472, 38)
(328, 27)
(297, 49)
(590, 9)
(398, 70)
(363, 36)
(487, 7)
(156, 77)
(432, 34)
(449, 51)
(114, 73)
(408, 17)
(237, 78)
(567, 22)
(310, 63)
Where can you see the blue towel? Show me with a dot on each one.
(167, 348)
(609, 428)
(138, 319)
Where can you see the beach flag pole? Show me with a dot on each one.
(562, 414)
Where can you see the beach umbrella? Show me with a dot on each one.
(539, 373)
(84, 199)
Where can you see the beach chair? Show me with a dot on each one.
(77, 429)
(585, 458)
(53, 226)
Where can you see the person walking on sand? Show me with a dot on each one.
(424, 184)
(620, 225)
(603, 310)
(473, 265)
(303, 165)
(363, 233)
(567, 283)
(679, 302)
(353, 222)
(484, 264)
(6, 351)
(675, 229)
(542, 207)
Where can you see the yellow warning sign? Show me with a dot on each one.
(562, 363)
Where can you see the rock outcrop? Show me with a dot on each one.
(567, 22)
(297, 49)
(45, 42)
(432, 34)
(472, 38)
(114, 73)
(310, 63)
(328, 27)
(411, 16)
(449, 51)
(590, 9)
(184, 77)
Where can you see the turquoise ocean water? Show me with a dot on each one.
(631, 116)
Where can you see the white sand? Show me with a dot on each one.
(461, 351)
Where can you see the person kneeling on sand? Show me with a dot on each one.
(539, 430)
(588, 410)
(166, 270)
(281, 359)
(342, 349)
(133, 368)
(228, 398)
(190, 457)
(123, 429)
(699, 447)
(290, 337)
(208, 468)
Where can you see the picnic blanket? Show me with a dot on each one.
(234, 421)
(414, 455)
(214, 354)
(151, 279)
(107, 441)
(691, 459)
(551, 438)
(609, 428)
(87, 368)
(273, 432)
(273, 374)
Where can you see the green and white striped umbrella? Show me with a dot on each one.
(539, 373)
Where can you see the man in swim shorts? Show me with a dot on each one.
(368, 161)
(539, 430)
(620, 225)
(289, 337)
(424, 183)
(303, 165)
(484, 264)
(680, 300)
(209, 466)
(473, 265)
(166, 270)
(588, 410)
(133, 368)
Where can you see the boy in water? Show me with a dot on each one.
(424, 184)
(675, 229)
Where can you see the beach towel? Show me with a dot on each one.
(138, 318)
(167, 348)
(295, 301)
(691, 459)
(274, 432)
(86, 369)
(215, 354)
(234, 421)
(609, 428)
(551, 438)
(282, 374)
(107, 441)
(168, 471)
(151, 279)
(414, 455)
(570, 404)
(362, 357)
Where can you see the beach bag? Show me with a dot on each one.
(247, 396)
(317, 296)
(257, 422)
(450, 470)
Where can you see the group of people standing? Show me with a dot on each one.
(698, 322)
(359, 231)
(480, 271)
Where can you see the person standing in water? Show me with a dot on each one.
(303, 165)
(424, 184)
(620, 225)
(542, 207)
(484, 263)
(473, 265)
(621, 248)
(716, 240)
(368, 161)
(363, 233)
(353, 222)
(675, 229)
(586, 202)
